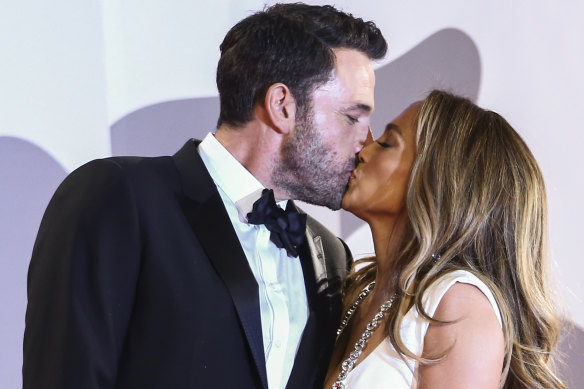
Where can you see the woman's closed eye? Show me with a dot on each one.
(390, 138)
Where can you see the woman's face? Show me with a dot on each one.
(378, 186)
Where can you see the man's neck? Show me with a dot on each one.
(256, 147)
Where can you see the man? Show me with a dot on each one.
(157, 272)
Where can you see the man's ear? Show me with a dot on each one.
(280, 108)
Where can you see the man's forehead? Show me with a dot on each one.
(353, 68)
(352, 81)
(351, 59)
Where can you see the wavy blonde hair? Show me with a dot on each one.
(477, 197)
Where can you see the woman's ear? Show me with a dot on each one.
(280, 108)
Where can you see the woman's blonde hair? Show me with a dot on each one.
(477, 198)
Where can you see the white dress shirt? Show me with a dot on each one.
(282, 294)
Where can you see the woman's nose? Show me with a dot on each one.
(363, 155)
(364, 140)
(369, 138)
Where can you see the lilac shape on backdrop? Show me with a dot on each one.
(28, 177)
(448, 59)
(161, 129)
(571, 348)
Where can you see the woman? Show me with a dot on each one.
(457, 208)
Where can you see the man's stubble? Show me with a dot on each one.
(308, 169)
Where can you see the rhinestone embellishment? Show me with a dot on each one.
(353, 308)
(348, 364)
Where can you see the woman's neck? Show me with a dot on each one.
(388, 236)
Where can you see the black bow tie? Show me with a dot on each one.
(286, 226)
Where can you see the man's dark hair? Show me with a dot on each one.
(291, 44)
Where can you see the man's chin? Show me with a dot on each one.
(325, 200)
(333, 206)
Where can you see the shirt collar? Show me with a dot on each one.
(240, 186)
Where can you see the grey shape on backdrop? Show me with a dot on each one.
(448, 60)
(571, 354)
(29, 177)
(161, 129)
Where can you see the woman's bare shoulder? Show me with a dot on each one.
(472, 342)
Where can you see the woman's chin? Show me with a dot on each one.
(349, 205)
(346, 201)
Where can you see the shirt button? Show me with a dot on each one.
(278, 343)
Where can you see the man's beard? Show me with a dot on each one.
(308, 170)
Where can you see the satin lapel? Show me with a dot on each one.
(210, 223)
(324, 301)
(310, 350)
(313, 262)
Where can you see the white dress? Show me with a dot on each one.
(384, 368)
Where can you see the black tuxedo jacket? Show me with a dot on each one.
(138, 280)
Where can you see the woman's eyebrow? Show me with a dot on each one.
(394, 127)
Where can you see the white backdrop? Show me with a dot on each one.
(70, 70)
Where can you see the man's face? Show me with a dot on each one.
(318, 157)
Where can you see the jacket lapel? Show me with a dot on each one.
(316, 340)
(209, 220)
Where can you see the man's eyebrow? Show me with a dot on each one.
(363, 108)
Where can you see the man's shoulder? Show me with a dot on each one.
(113, 176)
(137, 166)
(134, 167)
(131, 164)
